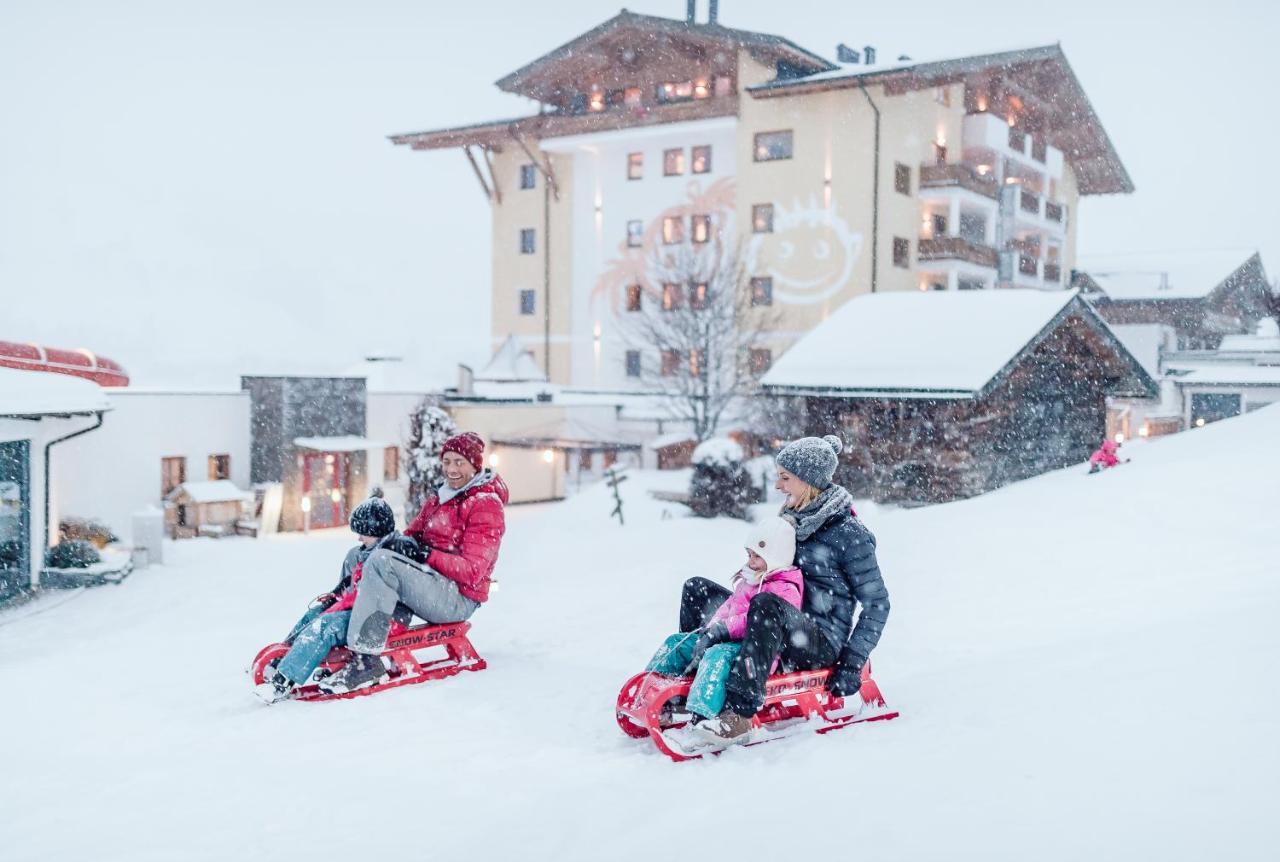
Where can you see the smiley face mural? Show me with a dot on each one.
(810, 254)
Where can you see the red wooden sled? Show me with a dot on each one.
(404, 648)
(793, 701)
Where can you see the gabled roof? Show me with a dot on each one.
(1080, 135)
(1182, 274)
(511, 363)
(215, 491)
(528, 80)
(935, 344)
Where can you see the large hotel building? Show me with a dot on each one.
(828, 179)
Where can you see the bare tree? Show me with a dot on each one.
(696, 327)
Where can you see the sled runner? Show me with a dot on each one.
(650, 704)
(404, 652)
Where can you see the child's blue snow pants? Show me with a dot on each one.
(314, 635)
(706, 695)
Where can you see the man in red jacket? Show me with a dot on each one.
(460, 528)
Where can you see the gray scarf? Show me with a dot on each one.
(809, 520)
(444, 493)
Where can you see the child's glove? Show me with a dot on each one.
(711, 635)
(846, 678)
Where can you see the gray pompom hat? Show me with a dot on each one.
(812, 459)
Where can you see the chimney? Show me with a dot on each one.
(845, 54)
(690, 11)
(869, 55)
(713, 12)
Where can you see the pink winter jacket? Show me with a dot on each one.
(1106, 456)
(787, 584)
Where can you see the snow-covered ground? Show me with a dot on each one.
(1085, 665)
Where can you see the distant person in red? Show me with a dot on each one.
(460, 529)
(1105, 456)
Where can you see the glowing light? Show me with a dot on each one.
(1144, 431)
(493, 460)
(328, 459)
(1119, 437)
(982, 104)
(548, 455)
(596, 102)
(983, 170)
(335, 495)
(1200, 422)
(306, 505)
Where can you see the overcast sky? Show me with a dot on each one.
(204, 189)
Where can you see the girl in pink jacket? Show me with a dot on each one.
(709, 651)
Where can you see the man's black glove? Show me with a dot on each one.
(846, 676)
(709, 637)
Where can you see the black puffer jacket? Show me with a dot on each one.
(840, 572)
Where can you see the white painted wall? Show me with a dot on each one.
(115, 471)
(387, 421)
(599, 237)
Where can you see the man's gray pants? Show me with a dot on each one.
(389, 579)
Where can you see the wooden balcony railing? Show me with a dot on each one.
(1029, 247)
(956, 248)
(958, 176)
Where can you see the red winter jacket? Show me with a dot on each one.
(463, 535)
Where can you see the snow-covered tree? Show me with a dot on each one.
(429, 427)
(721, 484)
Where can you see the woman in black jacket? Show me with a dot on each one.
(837, 555)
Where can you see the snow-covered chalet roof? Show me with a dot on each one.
(931, 344)
(1225, 374)
(216, 491)
(511, 362)
(42, 393)
(338, 444)
(1186, 274)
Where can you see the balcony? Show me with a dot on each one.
(1029, 247)
(956, 248)
(958, 176)
(988, 134)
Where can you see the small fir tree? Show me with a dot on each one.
(429, 427)
(721, 484)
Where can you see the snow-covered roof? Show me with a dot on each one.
(673, 438)
(1224, 374)
(398, 374)
(1144, 341)
(1266, 339)
(338, 444)
(511, 362)
(572, 432)
(717, 451)
(216, 491)
(935, 343)
(42, 393)
(1185, 274)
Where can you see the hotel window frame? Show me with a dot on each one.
(173, 473)
(762, 214)
(219, 467)
(670, 362)
(673, 162)
(672, 230)
(901, 252)
(635, 233)
(528, 302)
(672, 296)
(528, 240)
(635, 166)
(761, 291)
(703, 151)
(902, 178)
(632, 363)
(528, 176)
(391, 464)
(700, 229)
(773, 146)
(633, 299)
(759, 360)
(699, 293)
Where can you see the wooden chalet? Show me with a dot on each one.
(945, 395)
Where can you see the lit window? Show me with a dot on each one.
(771, 146)
(635, 166)
(698, 298)
(672, 230)
(173, 472)
(672, 163)
(391, 464)
(762, 291)
(670, 362)
(635, 233)
(675, 91)
(219, 467)
(527, 240)
(672, 294)
(762, 218)
(595, 102)
(632, 97)
(701, 89)
(528, 301)
(697, 362)
(701, 160)
(528, 176)
(634, 297)
(760, 360)
(701, 228)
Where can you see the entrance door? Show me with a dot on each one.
(1210, 407)
(15, 517)
(324, 483)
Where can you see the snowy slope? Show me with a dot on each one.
(1085, 667)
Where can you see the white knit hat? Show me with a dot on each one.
(774, 538)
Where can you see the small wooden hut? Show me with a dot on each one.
(205, 508)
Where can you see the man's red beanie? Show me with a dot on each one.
(469, 445)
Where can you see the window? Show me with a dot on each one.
(15, 516)
(635, 166)
(771, 146)
(527, 240)
(675, 91)
(670, 362)
(634, 297)
(722, 85)
(173, 472)
(672, 163)
(759, 360)
(1210, 407)
(672, 296)
(973, 227)
(633, 363)
(632, 98)
(942, 95)
(672, 230)
(902, 179)
(938, 221)
(901, 252)
(391, 464)
(697, 362)
(528, 176)
(702, 89)
(762, 291)
(698, 298)
(219, 467)
(969, 284)
(700, 226)
(635, 233)
(701, 160)
(939, 154)
(1039, 149)
(762, 218)
(528, 301)
(595, 101)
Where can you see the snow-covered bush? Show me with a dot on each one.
(720, 484)
(87, 530)
(72, 554)
(429, 427)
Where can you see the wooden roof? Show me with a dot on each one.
(1040, 77)
(597, 50)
